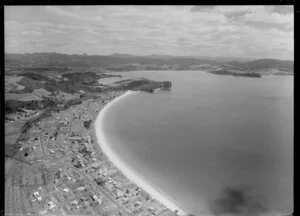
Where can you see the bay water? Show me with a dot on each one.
(216, 145)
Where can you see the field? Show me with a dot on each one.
(20, 179)
(12, 132)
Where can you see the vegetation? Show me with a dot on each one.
(69, 82)
(31, 122)
(265, 63)
(226, 72)
(141, 85)
(100, 181)
(87, 124)
(72, 102)
(121, 62)
(166, 84)
(12, 106)
(34, 76)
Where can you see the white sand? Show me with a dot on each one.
(127, 171)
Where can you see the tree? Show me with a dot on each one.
(87, 124)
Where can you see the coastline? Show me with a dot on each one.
(126, 170)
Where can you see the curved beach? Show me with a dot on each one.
(126, 170)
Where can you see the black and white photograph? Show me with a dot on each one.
(158, 110)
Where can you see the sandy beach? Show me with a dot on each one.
(126, 170)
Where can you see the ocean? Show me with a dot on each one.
(215, 145)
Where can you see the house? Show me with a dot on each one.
(86, 203)
(119, 193)
(74, 202)
(98, 200)
(43, 212)
(83, 198)
(81, 188)
(51, 205)
(66, 190)
(35, 194)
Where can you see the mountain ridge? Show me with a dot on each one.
(125, 62)
(124, 55)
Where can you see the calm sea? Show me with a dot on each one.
(214, 144)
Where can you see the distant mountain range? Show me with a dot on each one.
(155, 56)
(264, 63)
(119, 62)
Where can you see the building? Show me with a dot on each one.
(66, 190)
(51, 205)
(35, 194)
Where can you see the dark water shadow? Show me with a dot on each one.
(237, 201)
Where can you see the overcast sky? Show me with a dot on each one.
(225, 31)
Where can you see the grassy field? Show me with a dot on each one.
(20, 179)
(12, 133)
(22, 97)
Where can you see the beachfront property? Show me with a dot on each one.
(77, 167)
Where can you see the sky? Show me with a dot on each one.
(251, 32)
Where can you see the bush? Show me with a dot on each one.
(87, 124)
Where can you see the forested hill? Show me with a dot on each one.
(126, 62)
(99, 60)
(264, 63)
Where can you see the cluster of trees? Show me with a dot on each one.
(12, 106)
(100, 181)
(227, 72)
(139, 85)
(44, 69)
(87, 124)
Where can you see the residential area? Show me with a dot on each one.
(66, 173)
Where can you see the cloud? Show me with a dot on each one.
(261, 14)
(283, 9)
(202, 8)
(60, 11)
(155, 29)
(31, 33)
(234, 9)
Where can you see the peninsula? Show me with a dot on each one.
(226, 72)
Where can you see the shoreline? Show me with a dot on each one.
(126, 170)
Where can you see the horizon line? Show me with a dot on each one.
(153, 54)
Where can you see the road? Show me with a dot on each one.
(50, 162)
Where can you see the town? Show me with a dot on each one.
(76, 178)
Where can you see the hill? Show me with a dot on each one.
(60, 63)
(57, 59)
(264, 63)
